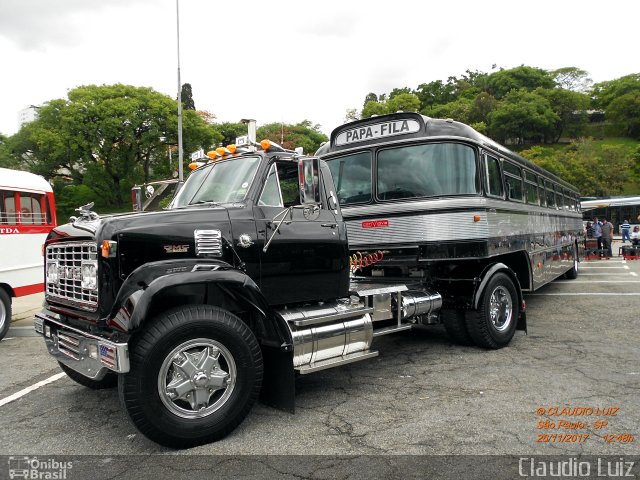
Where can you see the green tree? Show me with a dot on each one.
(406, 102)
(186, 95)
(606, 92)
(435, 93)
(523, 116)
(304, 134)
(229, 131)
(572, 78)
(7, 160)
(500, 83)
(372, 108)
(459, 110)
(571, 108)
(371, 97)
(108, 138)
(625, 111)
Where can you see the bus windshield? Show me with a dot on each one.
(428, 170)
(222, 182)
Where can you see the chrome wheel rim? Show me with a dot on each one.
(197, 378)
(500, 308)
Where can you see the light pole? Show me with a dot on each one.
(180, 154)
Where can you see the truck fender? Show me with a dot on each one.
(486, 275)
(147, 283)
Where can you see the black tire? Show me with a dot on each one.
(196, 371)
(494, 323)
(573, 273)
(110, 380)
(5, 313)
(455, 324)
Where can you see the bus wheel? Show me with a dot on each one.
(110, 380)
(196, 371)
(573, 273)
(494, 323)
(456, 327)
(5, 313)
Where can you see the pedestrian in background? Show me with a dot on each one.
(607, 237)
(625, 229)
(597, 233)
(635, 236)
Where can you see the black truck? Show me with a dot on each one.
(244, 282)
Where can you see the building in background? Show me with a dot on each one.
(27, 115)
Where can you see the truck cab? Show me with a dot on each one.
(241, 284)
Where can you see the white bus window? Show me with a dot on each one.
(428, 170)
(352, 177)
(30, 209)
(513, 177)
(7, 208)
(494, 179)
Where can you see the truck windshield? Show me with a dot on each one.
(222, 182)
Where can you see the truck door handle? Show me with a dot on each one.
(329, 225)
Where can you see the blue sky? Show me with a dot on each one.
(287, 61)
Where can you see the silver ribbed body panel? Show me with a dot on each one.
(208, 243)
(437, 221)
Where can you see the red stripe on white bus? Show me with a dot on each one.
(28, 289)
(24, 229)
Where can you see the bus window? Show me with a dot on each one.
(559, 199)
(493, 177)
(352, 177)
(7, 208)
(31, 209)
(429, 170)
(541, 194)
(532, 188)
(513, 177)
(551, 196)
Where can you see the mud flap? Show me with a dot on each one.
(278, 383)
(522, 322)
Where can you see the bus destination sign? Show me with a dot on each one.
(377, 130)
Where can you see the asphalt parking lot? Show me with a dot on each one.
(569, 387)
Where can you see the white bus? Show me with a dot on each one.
(27, 215)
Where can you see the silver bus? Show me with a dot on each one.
(435, 202)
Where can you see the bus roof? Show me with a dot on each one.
(21, 180)
(609, 202)
(385, 128)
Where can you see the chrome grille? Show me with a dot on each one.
(208, 243)
(68, 289)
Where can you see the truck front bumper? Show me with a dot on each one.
(90, 355)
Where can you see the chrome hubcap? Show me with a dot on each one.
(3, 314)
(500, 308)
(197, 378)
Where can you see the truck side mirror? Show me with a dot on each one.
(308, 176)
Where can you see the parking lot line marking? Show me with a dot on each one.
(604, 281)
(624, 274)
(581, 293)
(30, 389)
(593, 267)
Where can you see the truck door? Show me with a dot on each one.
(307, 258)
